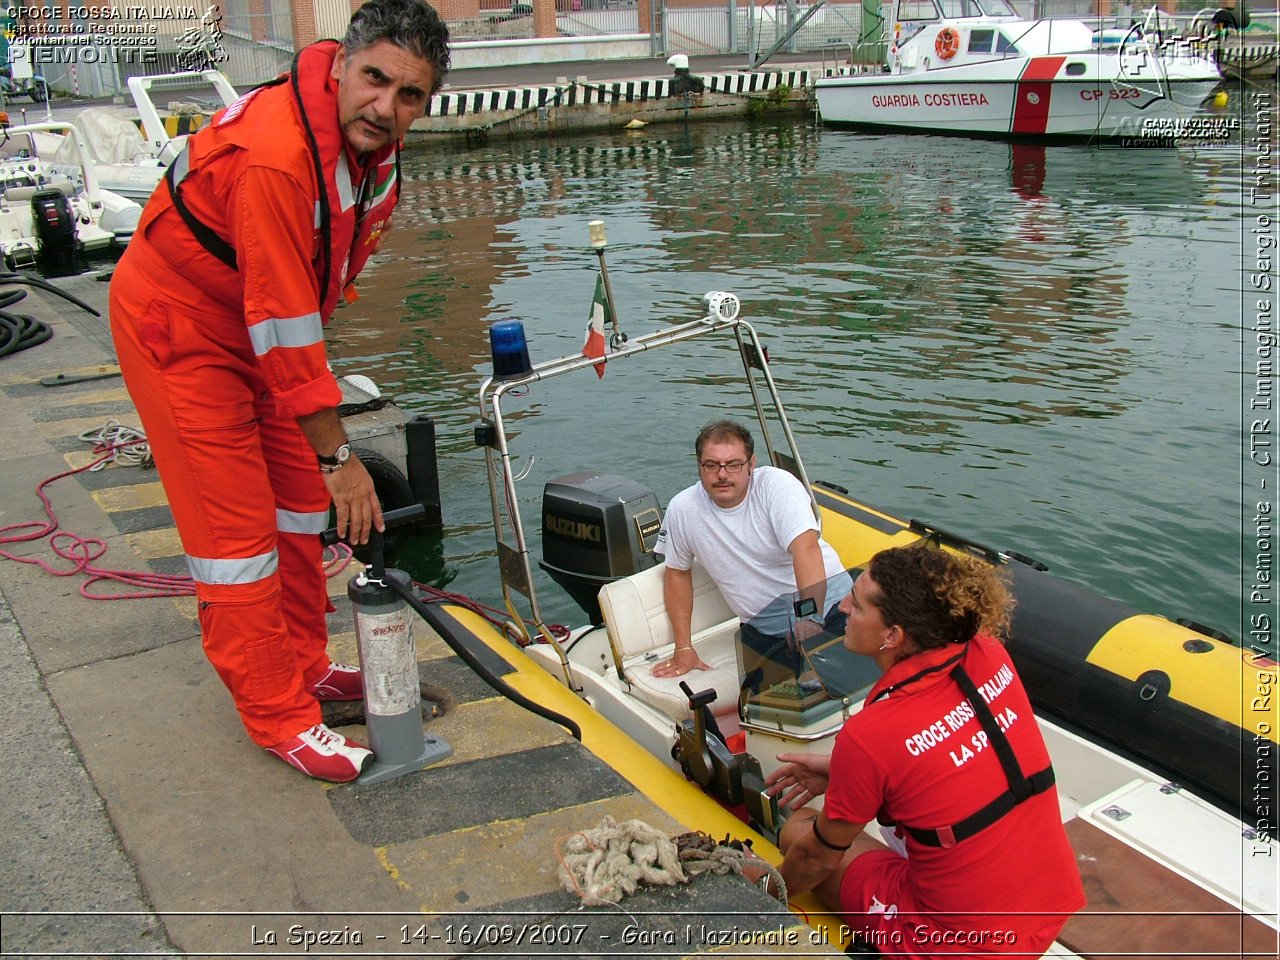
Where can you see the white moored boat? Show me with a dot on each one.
(56, 216)
(126, 162)
(975, 68)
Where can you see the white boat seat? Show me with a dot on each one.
(23, 194)
(635, 617)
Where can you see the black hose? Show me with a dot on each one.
(33, 281)
(437, 622)
(18, 332)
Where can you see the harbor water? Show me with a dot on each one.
(1036, 347)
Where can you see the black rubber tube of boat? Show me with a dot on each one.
(432, 617)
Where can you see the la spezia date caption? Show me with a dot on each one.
(479, 933)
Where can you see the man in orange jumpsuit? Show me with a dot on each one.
(218, 311)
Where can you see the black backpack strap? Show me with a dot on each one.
(1021, 787)
(1018, 783)
(992, 812)
(203, 233)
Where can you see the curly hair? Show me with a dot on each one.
(939, 597)
(412, 25)
(724, 431)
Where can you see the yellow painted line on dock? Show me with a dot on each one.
(153, 544)
(79, 458)
(493, 727)
(136, 496)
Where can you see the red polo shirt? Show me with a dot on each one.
(918, 755)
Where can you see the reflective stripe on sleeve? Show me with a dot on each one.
(238, 570)
(296, 521)
(303, 331)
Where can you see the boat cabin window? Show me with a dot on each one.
(998, 8)
(917, 10)
(1005, 45)
(960, 8)
(980, 41)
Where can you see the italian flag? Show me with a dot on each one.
(593, 348)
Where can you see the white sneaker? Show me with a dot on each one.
(323, 754)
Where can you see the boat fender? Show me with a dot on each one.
(392, 487)
(947, 43)
(393, 492)
(1152, 687)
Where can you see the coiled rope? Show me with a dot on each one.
(123, 446)
(603, 865)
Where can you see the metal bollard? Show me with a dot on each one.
(389, 664)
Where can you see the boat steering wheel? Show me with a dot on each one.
(947, 43)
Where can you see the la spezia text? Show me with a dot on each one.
(954, 720)
(480, 933)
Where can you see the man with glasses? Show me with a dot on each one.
(754, 531)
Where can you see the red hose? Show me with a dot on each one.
(81, 552)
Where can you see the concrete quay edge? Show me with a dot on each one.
(585, 104)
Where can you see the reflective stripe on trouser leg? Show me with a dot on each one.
(194, 393)
(302, 513)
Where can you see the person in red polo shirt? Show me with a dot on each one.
(945, 749)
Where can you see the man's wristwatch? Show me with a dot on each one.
(334, 462)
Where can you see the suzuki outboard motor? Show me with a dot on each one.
(55, 224)
(597, 528)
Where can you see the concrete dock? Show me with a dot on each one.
(141, 820)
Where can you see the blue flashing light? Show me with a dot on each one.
(510, 350)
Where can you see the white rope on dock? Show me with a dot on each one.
(606, 864)
(120, 444)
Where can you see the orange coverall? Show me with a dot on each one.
(222, 362)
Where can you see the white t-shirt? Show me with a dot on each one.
(744, 548)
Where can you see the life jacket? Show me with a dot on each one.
(351, 212)
(1021, 787)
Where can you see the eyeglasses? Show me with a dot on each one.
(730, 467)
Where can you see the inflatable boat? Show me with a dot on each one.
(1163, 733)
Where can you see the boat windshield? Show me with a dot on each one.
(792, 656)
(999, 8)
(958, 9)
(16, 146)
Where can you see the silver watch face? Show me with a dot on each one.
(343, 453)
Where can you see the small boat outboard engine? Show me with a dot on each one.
(597, 528)
(55, 224)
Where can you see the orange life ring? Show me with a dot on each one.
(947, 43)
